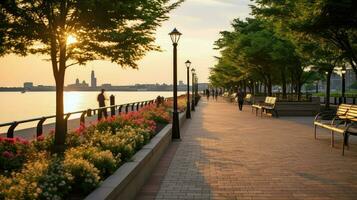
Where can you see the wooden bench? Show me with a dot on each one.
(267, 105)
(248, 98)
(270, 106)
(233, 98)
(344, 122)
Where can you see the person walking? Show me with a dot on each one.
(216, 94)
(207, 94)
(101, 100)
(240, 96)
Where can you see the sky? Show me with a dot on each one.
(200, 22)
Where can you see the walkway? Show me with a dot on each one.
(226, 154)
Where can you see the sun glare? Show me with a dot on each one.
(71, 39)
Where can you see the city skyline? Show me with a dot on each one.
(82, 85)
(211, 16)
(92, 83)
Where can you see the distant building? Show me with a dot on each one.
(106, 86)
(181, 83)
(28, 85)
(78, 85)
(93, 80)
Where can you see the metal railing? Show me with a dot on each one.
(135, 106)
(339, 100)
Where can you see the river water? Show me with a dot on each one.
(19, 106)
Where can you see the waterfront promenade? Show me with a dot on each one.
(226, 154)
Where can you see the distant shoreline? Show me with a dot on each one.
(90, 90)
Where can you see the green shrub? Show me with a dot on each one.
(104, 161)
(24, 184)
(13, 153)
(85, 175)
(56, 182)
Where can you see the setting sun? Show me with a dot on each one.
(71, 39)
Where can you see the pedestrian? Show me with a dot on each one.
(207, 94)
(240, 97)
(216, 94)
(159, 101)
(101, 100)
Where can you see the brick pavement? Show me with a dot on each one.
(226, 154)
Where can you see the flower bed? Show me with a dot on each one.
(29, 171)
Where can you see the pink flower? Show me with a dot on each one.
(7, 154)
(10, 140)
(40, 138)
(81, 129)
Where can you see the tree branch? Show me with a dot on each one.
(75, 63)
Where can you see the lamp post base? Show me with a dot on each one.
(175, 125)
(193, 105)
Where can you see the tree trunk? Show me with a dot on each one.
(265, 88)
(327, 100)
(353, 66)
(283, 80)
(60, 132)
(61, 124)
(270, 86)
(244, 86)
(298, 90)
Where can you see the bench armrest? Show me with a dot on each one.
(352, 124)
(336, 121)
(329, 114)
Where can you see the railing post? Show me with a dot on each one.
(142, 104)
(354, 100)
(10, 131)
(39, 129)
(137, 106)
(120, 107)
(127, 108)
(82, 120)
(344, 99)
(66, 122)
(132, 107)
(89, 112)
(99, 114)
(335, 100)
(112, 103)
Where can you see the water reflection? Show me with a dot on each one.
(18, 106)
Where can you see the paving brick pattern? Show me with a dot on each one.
(226, 154)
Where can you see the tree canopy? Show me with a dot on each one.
(288, 42)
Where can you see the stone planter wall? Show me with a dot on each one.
(298, 108)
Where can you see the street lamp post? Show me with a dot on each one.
(196, 89)
(188, 109)
(175, 37)
(343, 83)
(193, 90)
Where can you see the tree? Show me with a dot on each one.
(258, 53)
(117, 30)
(334, 21)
